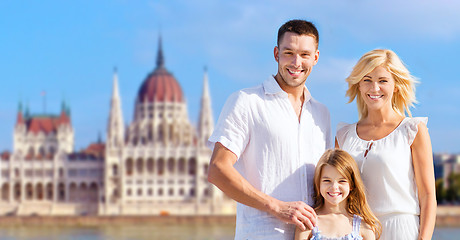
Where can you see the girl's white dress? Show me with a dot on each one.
(388, 174)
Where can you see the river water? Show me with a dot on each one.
(183, 231)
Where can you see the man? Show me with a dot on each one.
(268, 140)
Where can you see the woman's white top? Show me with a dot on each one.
(386, 166)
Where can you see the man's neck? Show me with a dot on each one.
(296, 93)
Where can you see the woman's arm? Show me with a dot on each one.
(422, 159)
(302, 235)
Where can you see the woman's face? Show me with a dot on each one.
(377, 88)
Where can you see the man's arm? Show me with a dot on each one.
(223, 174)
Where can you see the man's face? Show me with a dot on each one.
(296, 55)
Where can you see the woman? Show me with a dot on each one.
(393, 151)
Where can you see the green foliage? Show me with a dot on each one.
(451, 193)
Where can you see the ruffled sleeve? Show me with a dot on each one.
(412, 127)
(342, 131)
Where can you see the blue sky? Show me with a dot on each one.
(70, 48)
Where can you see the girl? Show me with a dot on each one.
(340, 201)
(393, 151)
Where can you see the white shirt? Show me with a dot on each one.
(387, 169)
(276, 154)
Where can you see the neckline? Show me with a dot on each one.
(354, 218)
(372, 140)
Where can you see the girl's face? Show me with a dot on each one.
(377, 88)
(334, 187)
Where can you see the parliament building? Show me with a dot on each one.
(155, 165)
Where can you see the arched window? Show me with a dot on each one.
(5, 192)
(61, 189)
(161, 166)
(150, 165)
(171, 165)
(51, 152)
(17, 191)
(192, 166)
(140, 166)
(29, 191)
(41, 152)
(115, 170)
(39, 191)
(129, 167)
(181, 165)
(205, 168)
(49, 191)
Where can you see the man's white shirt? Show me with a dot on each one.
(276, 153)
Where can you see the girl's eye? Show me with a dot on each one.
(325, 180)
(383, 81)
(366, 80)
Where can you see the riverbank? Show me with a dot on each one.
(90, 221)
(447, 216)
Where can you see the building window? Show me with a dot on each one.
(171, 192)
(192, 166)
(139, 192)
(115, 169)
(128, 192)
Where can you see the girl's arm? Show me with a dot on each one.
(366, 232)
(422, 159)
(302, 235)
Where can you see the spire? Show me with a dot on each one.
(160, 57)
(115, 128)
(20, 118)
(63, 106)
(20, 107)
(206, 121)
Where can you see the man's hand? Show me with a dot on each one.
(297, 213)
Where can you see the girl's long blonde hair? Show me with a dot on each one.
(356, 200)
(403, 98)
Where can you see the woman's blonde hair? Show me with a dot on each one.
(403, 98)
(356, 200)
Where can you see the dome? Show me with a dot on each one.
(160, 85)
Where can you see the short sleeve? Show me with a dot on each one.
(412, 127)
(232, 129)
(342, 132)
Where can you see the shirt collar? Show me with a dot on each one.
(271, 86)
